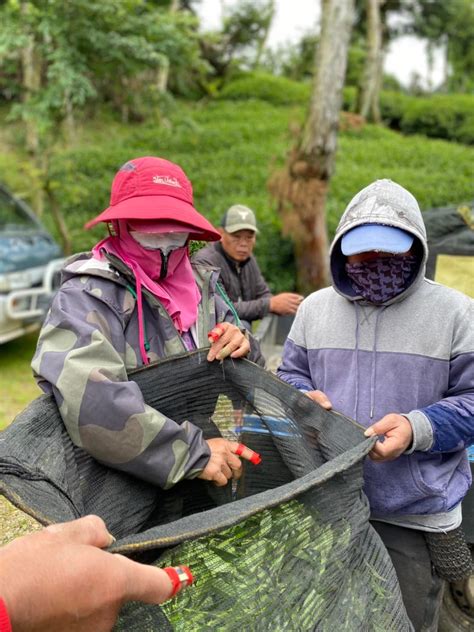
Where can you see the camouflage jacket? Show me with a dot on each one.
(88, 343)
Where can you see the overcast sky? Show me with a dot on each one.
(293, 18)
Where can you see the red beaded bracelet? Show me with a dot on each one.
(5, 625)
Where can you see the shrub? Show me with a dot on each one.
(266, 87)
(393, 106)
(229, 152)
(441, 116)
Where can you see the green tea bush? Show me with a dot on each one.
(266, 87)
(393, 106)
(349, 98)
(229, 152)
(441, 116)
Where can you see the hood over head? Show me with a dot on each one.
(383, 203)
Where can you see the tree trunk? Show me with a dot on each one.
(59, 221)
(263, 40)
(162, 75)
(69, 120)
(301, 187)
(31, 84)
(31, 70)
(373, 72)
(164, 70)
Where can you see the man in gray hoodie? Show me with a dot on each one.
(394, 351)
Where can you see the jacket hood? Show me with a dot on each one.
(382, 202)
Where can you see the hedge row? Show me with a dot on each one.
(229, 152)
(438, 116)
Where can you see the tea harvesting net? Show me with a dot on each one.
(287, 547)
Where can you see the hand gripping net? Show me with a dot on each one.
(287, 547)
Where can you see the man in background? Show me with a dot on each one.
(240, 273)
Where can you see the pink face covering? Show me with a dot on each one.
(174, 286)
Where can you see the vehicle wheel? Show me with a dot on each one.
(457, 610)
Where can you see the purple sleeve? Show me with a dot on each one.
(294, 368)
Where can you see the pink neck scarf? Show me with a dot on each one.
(178, 291)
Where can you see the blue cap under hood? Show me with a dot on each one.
(382, 202)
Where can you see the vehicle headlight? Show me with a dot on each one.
(15, 281)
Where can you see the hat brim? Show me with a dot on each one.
(379, 237)
(156, 207)
(235, 227)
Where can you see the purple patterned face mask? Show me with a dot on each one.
(379, 280)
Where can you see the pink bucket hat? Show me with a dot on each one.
(151, 188)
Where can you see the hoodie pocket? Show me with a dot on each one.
(427, 474)
(444, 475)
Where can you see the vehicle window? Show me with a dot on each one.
(12, 215)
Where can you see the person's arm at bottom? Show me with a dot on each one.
(59, 579)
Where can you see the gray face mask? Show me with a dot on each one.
(166, 242)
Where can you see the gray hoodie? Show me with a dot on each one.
(413, 355)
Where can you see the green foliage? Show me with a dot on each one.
(229, 151)
(441, 116)
(450, 24)
(80, 51)
(293, 60)
(393, 106)
(241, 41)
(355, 65)
(438, 116)
(266, 87)
(258, 555)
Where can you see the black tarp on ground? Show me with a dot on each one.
(287, 548)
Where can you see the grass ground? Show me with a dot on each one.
(17, 386)
(17, 389)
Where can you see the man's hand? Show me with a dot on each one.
(224, 463)
(320, 398)
(398, 435)
(59, 579)
(285, 303)
(227, 340)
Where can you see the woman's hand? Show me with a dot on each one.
(227, 340)
(224, 462)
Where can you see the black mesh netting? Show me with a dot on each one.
(288, 547)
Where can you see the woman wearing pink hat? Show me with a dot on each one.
(133, 300)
